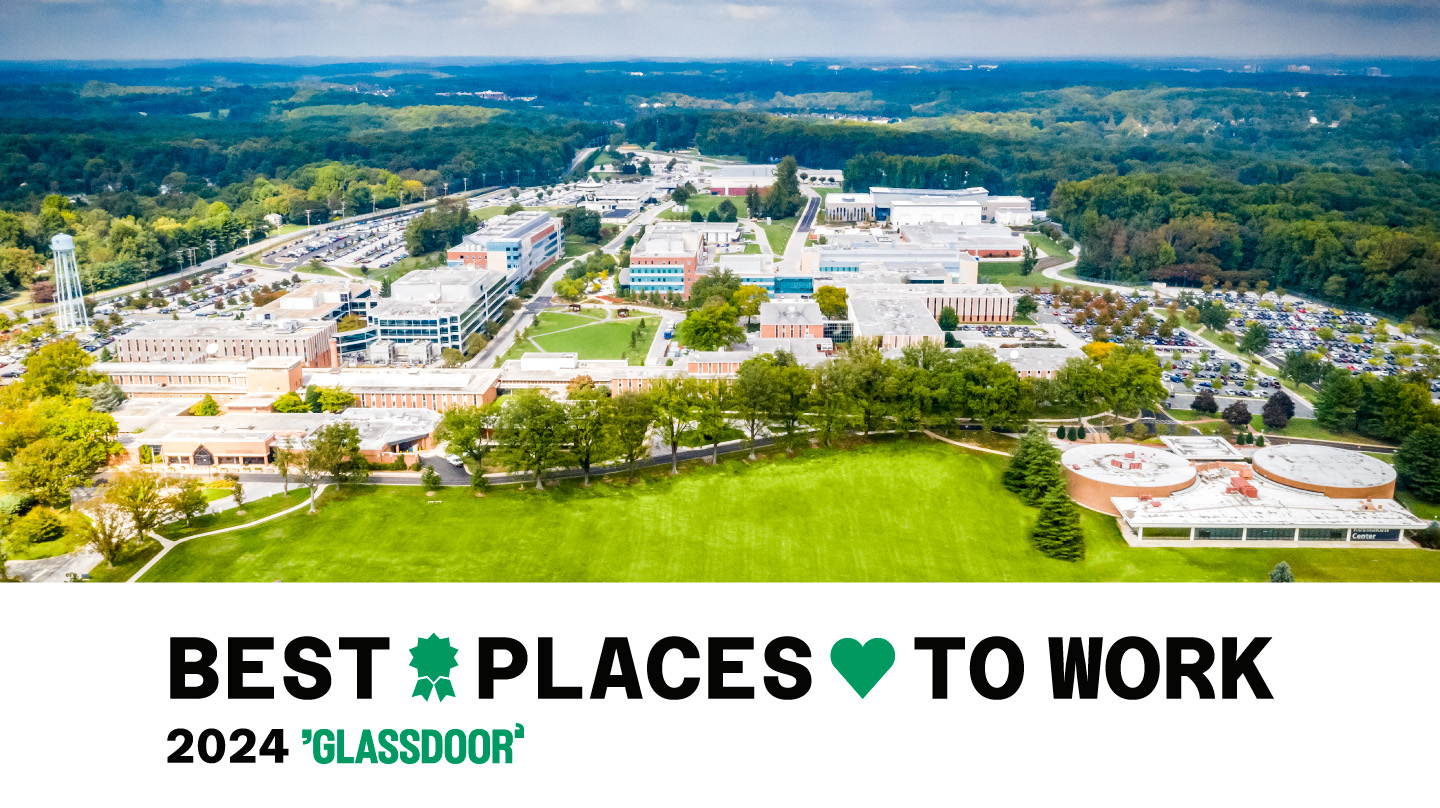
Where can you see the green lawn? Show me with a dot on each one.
(705, 203)
(1008, 273)
(575, 245)
(779, 233)
(1422, 509)
(129, 565)
(549, 321)
(1297, 428)
(307, 269)
(610, 340)
(906, 511)
(257, 509)
(1048, 246)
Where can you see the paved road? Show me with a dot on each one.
(580, 157)
(1182, 400)
(53, 570)
(796, 243)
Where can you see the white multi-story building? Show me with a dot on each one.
(518, 245)
(441, 307)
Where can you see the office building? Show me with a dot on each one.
(517, 245)
(667, 259)
(326, 301)
(735, 180)
(963, 206)
(439, 307)
(188, 341)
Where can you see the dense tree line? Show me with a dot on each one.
(859, 392)
(146, 199)
(1386, 407)
(1366, 240)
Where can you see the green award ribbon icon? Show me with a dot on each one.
(432, 658)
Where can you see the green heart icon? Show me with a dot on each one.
(863, 666)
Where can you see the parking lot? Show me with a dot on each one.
(1356, 341)
(372, 244)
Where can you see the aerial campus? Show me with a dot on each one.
(660, 342)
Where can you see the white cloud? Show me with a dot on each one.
(741, 12)
(557, 8)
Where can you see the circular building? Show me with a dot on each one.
(1096, 472)
(1326, 470)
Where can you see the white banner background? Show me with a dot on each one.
(86, 709)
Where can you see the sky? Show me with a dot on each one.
(375, 29)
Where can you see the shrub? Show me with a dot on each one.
(1429, 537)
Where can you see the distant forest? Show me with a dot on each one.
(1325, 184)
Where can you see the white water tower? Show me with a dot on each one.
(69, 297)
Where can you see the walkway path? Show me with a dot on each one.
(166, 544)
(965, 445)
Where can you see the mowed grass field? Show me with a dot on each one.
(610, 340)
(1008, 274)
(587, 334)
(705, 203)
(905, 511)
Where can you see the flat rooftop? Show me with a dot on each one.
(508, 226)
(893, 317)
(1207, 504)
(791, 312)
(891, 286)
(1138, 466)
(1037, 359)
(226, 329)
(1324, 466)
(1203, 447)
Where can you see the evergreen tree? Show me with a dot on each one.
(1034, 469)
(1013, 478)
(1340, 395)
(784, 197)
(1058, 533)
(1282, 574)
(1418, 462)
